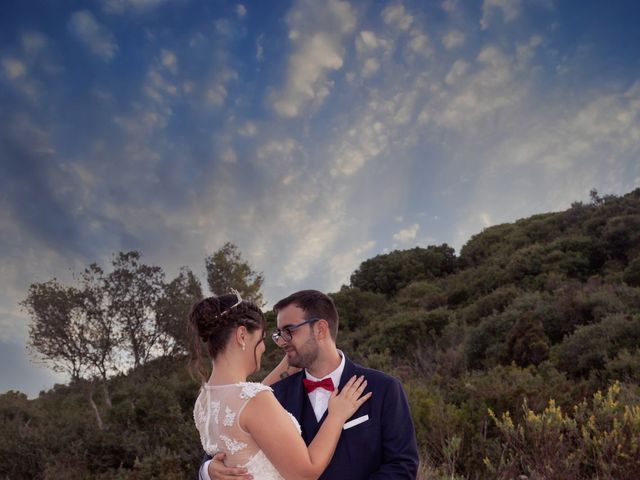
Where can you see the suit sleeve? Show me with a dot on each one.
(203, 474)
(399, 448)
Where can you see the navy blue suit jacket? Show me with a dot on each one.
(382, 447)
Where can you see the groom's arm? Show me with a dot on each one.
(215, 469)
(399, 448)
(202, 470)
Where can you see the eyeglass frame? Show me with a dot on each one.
(277, 334)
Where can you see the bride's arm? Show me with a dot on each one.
(281, 371)
(281, 442)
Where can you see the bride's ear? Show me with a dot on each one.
(241, 335)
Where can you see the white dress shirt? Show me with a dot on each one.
(319, 398)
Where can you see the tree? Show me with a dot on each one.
(173, 308)
(62, 332)
(226, 270)
(56, 332)
(134, 290)
(101, 331)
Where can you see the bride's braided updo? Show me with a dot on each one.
(214, 319)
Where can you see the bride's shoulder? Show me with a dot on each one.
(251, 389)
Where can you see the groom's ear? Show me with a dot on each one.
(323, 329)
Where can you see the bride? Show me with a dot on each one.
(243, 419)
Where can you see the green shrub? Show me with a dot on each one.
(631, 274)
(591, 346)
(597, 439)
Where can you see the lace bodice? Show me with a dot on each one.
(216, 413)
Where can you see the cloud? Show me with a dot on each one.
(526, 51)
(386, 120)
(497, 83)
(405, 26)
(419, 43)
(136, 6)
(249, 129)
(95, 37)
(607, 126)
(372, 51)
(229, 155)
(260, 48)
(453, 39)
(407, 234)
(367, 41)
(278, 150)
(241, 10)
(364, 141)
(370, 67)
(160, 88)
(457, 71)
(13, 68)
(33, 42)
(216, 95)
(449, 6)
(317, 30)
(510, 10)
(396, 16)
(169, 60)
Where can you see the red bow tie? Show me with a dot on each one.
(310, 385)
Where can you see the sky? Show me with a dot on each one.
(312, 134)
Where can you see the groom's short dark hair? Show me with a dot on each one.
(314, 304)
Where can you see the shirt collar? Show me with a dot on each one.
(334, 376)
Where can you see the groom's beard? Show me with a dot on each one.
(304, 356)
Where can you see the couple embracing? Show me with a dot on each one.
(331, 419)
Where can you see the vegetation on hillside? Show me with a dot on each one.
(520, 357)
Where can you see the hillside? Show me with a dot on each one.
(520, 356)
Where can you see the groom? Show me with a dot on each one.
(379, 441)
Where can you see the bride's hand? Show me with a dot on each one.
(282, 370)
(285, 369)
(349, 400)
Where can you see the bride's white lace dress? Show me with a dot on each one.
(216, 414)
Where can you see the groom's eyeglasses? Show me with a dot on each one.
(286, 333)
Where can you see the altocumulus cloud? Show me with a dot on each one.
(96, 38)
(312, 134)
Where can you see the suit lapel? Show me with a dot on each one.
(348, 372)
(295, 397)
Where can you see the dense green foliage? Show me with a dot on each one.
(503, 351)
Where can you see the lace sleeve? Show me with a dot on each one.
(251, 389)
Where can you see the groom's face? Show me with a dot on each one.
(302, 349)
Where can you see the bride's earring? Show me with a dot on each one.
(243, 347)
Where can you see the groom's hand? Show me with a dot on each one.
(218, 471)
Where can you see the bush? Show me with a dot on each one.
(401, 333)
(631, 274)
(492, 303)
(599, 439)
(485, 344)
(527, 344)
(591, 346)
(390, 272)
(424, 294)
